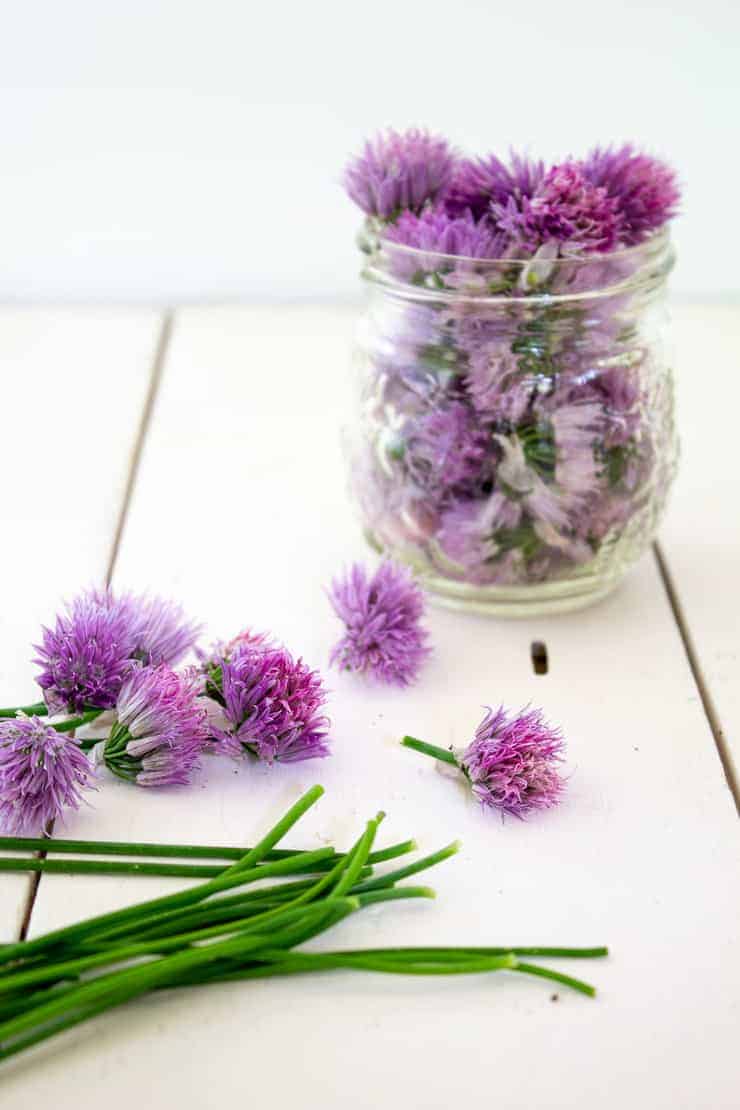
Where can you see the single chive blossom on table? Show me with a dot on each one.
(511, 763)
(382, 613)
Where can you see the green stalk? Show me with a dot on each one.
(217, 909)
(557, 977)
(64, 969)
(254, 855)
(109, 867)
(77, 722)
(66, 1021)
(443, 754)
(279, 962)
(290, 963)
(38, 709)
(146, 868)
(357, 857)
(338, 881)
(232, 877)
(137, 980)
(55, 846)
(392, 877)
(453, 953)
(394, 894)
(72, 934)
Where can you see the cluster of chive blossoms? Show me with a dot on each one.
(516, 423)
(109, 660)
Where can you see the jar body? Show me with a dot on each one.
(515, 437)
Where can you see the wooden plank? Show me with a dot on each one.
(74, 383)
(241, 511)
(701, 536)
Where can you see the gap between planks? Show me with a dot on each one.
(710, 710)
(137, 449)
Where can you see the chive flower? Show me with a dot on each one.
(399, 171)
(440, 233)
(644, 189)
(271, 704)
(567, 209)
(42, 773)
(382, 614)
(161, 728)
(511, 763)
(98, 638)
(479, 182)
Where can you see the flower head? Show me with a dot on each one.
(644, 189)
(382, 617)
(42, 771)
(477, 182)
(466, 539)
(446, 449)
(397, 171)
(567, 208)
(161, 631)
(248, 638)
(440, 233)
(161, 730)
(271, 703)
(93, 644)
(512, 762)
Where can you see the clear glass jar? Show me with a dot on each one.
(515, 441)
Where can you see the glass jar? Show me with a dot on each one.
(515, 440)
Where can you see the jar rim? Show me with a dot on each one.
(647, 262)
(656, 241)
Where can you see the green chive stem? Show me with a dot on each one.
(37, 709)
(77, 722)
(443, 754)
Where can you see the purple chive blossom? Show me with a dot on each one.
(224, 649)
(85, 657)
(496, 386)
(466, 536)
(477, 182)
(162, 632)
(382, 615)
(161, 728)
(439, 233)
(512, 762)
(397, 171)
(42, 772)
(567, 208)
(644, 189)
(577, 428)
(446, 449)
(271, 704)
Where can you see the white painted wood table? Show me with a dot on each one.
(201, 461)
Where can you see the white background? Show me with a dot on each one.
(171, 150)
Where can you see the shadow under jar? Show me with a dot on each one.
(515, 438)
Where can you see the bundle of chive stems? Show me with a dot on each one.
(201, 935)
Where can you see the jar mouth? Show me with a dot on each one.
(426, 273)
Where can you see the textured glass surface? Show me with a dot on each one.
(514, 439)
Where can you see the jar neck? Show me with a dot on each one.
(546, 279)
